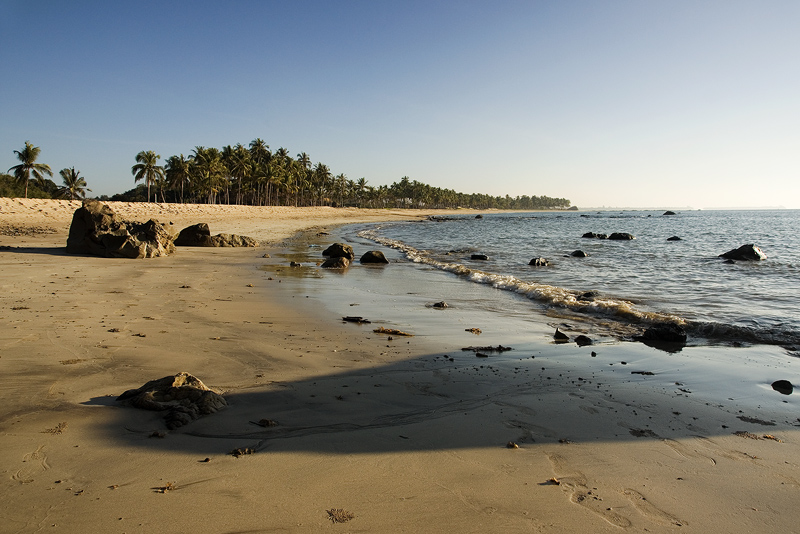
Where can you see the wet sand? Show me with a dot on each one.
(407, 435)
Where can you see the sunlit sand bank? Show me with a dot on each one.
(407, 435)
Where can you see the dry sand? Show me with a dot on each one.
(388, 436)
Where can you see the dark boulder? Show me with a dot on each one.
(783, 386)
(592, 235)
(745, 253)
(482, 257)
(669, 212)
(579, 254)
(621, 236)
(373, 256)
(97, 230)
(339, 262)
(440, 305)
(583, 341)
(339, 250)
(674, 238)
(666, 337)
(560, 337)
(479, 216)
(668, 332)
(199, 235)
(539, 262)
(589, 295)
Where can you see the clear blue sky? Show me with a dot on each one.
(612, 103)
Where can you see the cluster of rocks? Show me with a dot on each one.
(199, 235)
(341, 255)
(183, 397)
(616, 236)
(96, 229)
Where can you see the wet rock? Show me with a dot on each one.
(482, 257)
(97, 230)
(783, 386)
(336, 263)
(441, 305)
(669, 212)
(674, 238)
(184, 398)
(621, 236)
(666, 337)
(479, 216)
(583, 341)
(339, 250)
(560, 337)
(579, 254)
(589, 295)
(745, 253)
(592, 235)
(539, 262)
(373, 256)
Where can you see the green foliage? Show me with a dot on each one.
(258, 176)
(10, 187)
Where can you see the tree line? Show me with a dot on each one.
(256, 175)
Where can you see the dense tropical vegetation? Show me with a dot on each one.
(256, 175)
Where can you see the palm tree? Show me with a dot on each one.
(27, 157)
(74, 184)
(207, 171)
(177, 172)
(146, 169)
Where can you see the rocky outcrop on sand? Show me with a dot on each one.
(97, 230)
(373, 256)
(199, 235)
(183, 397)
(745, 253)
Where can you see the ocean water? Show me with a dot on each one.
(622, 286)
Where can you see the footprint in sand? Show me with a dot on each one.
(647, 509)
(574, 483)
(712, 448)
(37, 462)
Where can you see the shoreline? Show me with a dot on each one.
(408, 434)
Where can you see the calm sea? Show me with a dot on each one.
(630, 283)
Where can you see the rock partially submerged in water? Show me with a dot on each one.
(668, 212)
(745, 253)
(339, 250)
(592, 235)
(339, 262)
(578, 254)
(97, 230)
(481, 257)
(373, 256)
(668, 337)
(184, 397)
(621, 236)
(199, 235)
(539, 262)
(674, 238)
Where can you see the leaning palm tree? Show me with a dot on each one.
(27, 157)
(147, 169)
(74, 184)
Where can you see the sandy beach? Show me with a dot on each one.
(370, 434)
